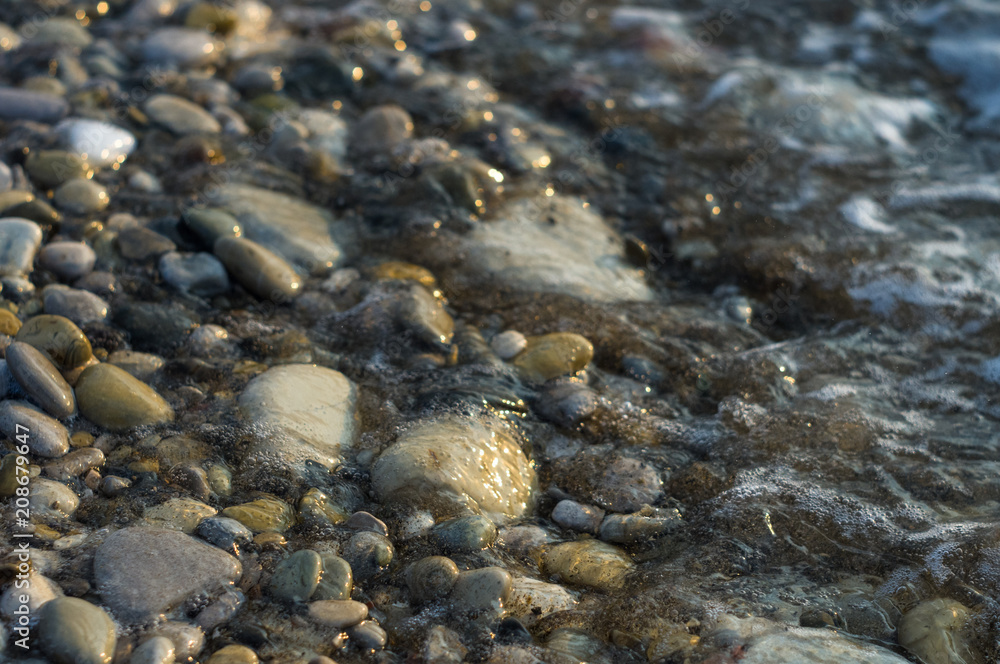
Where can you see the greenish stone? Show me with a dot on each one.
(315, 507)
(181, 514)
(553, 355)
(267, 514)
(74, 631)
(337, 581)
(59, 338)
(50, 168)
(115, 399)
(296, 577)
(261, 272)
(431, 578)
(467, 533)
(209, 224)
(8, 475)
(589, 563)
(37, 211)
(80, 196)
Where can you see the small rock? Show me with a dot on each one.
(114, 399)
(55, 497)
(40, 379)
(183, 514)
(198, 274)
(209, 224)
(296, 577)
(75, 463)
(482, 591)
(508, 344)
(639, 527)
(63, 31)
(100, 143)
(73, 631)
(58, 337)
(79, 306)
(140, 244)
(368, 554)
(531, 599)
(19, 241)
(39, 591)
(79, 196)
(553, 355)
(180, 116)
(188, 639)
(443, 646)
(140, 365)
(337, 613)
(315, 507)
(158, 650)
(112, 486)
(182, 47)
(337, 581)
(233, 654)
(465, 534)
(51, 168)
(365, 521)
(267, 514)
(935, 632)
(431, 578)
(589, 563)
(47, 437)
(368, 635)
(226, 533)
(19, 104)
(67, 260)
(583, 518)
(567, 404)
(262, 273)
(221, 611)
(381, 129)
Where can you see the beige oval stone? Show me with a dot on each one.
(261, 272)
(338, 613)
(267, 514)
(113, 398)
(552, 355)
(933, 631)
(589, 563)
(59, 338)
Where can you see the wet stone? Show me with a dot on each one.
(209, 224)
(575, 516)
(180, 116)
(59, 338)
(368, 635)
(221, 611)
(337, 581)
(79, 196)
(630, 528)
(141, 244)
(19, 241)
(67, 260)
(155, 326)
(19, 104)
(48, 437)
(157, 650)
(233, 654)
(9, 323)
(482, 591)
(99, 143)
(198, 274)
(51, 168)
(368, 554)
(381, 129)
(6, 177)
(188, 639)
(140, 365)
(267, 514)
(74, 464)
(49, 496)
(469, 533)
(296, 577)
(315, 507)
(431, 578)
(531, 599)
(79, 306)
(509, 344)
(588, 563)
(366, 521)
(143, 572)
(40, 379)
(337, 613)
(936, 632)
(182, 47)
(226, 533)
(113, 485)
(183, 514)
(112, 398)
(261, 272)
(553, 355)
(567, 403)
(63, 31)
(73, 631)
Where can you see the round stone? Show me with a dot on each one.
(53, 498)
(553, 355)
(40, 379)
(337, 581)
(465, 534)
(368, 554)
(431, 578)
(583, 518)
(9, 323)
(47, 436)
(99, 143)
(50, 168)
(67, 260)
(74, 631)
(180, 116)
(20, 104)
(60, 339)
(80, 306)
(183, 514)
(508, 344)
(80, 196)
(482, 590)
(337, 613)
(141, 244)
(233, 654)
(180, 46)
(934, 632)
(19, 241)
(158, 650)
(368, 635)
(381, 129)
(114, 399)
(209, 224)
(589, 563)
(74, 464)
(262, 273)
(296, 577)
(198, 274)
(267, 514)
(226, 533)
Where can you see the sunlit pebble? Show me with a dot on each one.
(470, 35)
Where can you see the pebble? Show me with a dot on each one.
(74, 631)
(51, 496)
(51, 168)
(567, 403)
(443, 646)
(209, 224)
(160, 326)
(233, 654)
(40, 379)
(48, 437)
(779, 645)
(553, 355)
(267, 514)
(295, 578)
(141, 244)
(19, 241)
(140, 365)
(482, 591)
(79, 196)
(626, 484)
(464, 463)
(337, 613)
(424, 315)
(39, 591)
(6, 177)
(299, 413)
(338, 580)
(226, 533)
(315, 507)
(261, 272)
(575, 516)
(19, 104)
(209, 342)
(198, 274)
(935, 632)
(143, 572)
(465, 534)
(180, 116)
(113, 485)
(183, 514)
(368, 554)
(188, 639)
(79, 306)
(112, 398)
(221, 610)
(67, 260)
(99, 143)
(60, 339)
(631, 528)
(381, 129)
(158, 650)
(63, 31)
(368, 635)
(588, 563)
(9, 323)
(74, 464)
(431, 578)
(182, 47)
(508, 344)
(531, 599)
(366, 521)
(102, 284)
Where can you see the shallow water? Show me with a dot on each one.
(774, 221)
